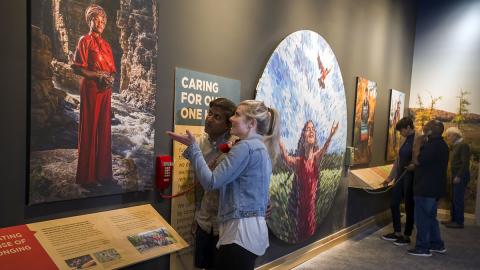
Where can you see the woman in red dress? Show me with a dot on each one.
(94, 62)
(306, 166)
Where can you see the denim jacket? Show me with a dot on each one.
(242, 178)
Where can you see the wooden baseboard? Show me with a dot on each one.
(306, 253)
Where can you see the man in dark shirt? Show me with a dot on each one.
(430, 181)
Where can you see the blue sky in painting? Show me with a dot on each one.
(290, 84)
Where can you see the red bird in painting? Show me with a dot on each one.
(323, 73)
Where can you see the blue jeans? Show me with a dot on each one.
(428, 231)
(458, 199)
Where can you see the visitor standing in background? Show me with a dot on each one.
(460, 173)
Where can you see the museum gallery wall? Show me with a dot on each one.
(185, 37)
(89, 139)
(302, 80)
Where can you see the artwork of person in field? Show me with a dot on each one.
(305, 164)
(302, 80)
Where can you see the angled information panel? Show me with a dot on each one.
(369, 178)
(105, 240)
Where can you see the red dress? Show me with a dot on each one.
(94, 130)
(303, 197)
(306, 179)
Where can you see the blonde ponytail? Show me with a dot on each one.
(268, 125)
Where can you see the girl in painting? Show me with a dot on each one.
(306, 166)
(94, 62)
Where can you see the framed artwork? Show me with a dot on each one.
(397, 105)
(92, 98)
(366, 100)
(302, 80)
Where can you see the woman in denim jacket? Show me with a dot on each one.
(242, 179)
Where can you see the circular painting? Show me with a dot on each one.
(302, 80)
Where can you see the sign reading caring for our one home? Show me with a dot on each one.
(194, 91)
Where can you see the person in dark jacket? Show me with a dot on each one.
(460, 173)
(430, 179)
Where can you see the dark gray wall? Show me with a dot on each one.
(370, 38)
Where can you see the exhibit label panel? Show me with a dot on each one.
(365, 104)
(19, 249)
(370, 178)
(105, 240)
(302, 80)
(193, 93)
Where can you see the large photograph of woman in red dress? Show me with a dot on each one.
(92, 98)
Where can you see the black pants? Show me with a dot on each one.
(205, 249)
(403, 189)
(233, 257)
